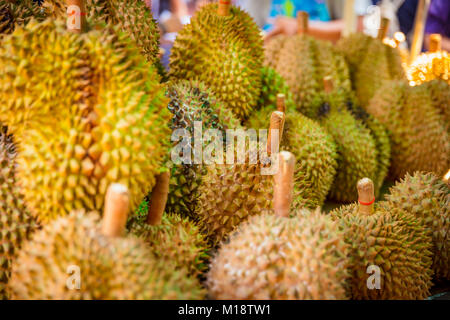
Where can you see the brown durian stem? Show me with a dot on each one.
(384, 27)
(117, 202)
(281, 102)
(366, 196)
(284, 184)
(276, 123)
(435, 42)
(328, 84)
(158, 199)
(73, 16)
(224, 8)
(302, 22)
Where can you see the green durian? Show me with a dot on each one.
(440, 98)
(419, 140)
(427, 197)
(16, 223)
(387, 243)
(225, 53)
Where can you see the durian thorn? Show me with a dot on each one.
(384, 27)
(284, 184)
(281, 102)
(366, 196)
(76, 16)
(158, 199)
(435, 42)
(328, 84)
(224, 8)
(276, 125)
(302, 22)
(117, 203)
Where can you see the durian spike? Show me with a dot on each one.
(281, 102)
(328, 84)
(158, 199)
(366, 196)
(302, 22)
(224, 8)
(276, 123)
(284, 184)
(384, 27)
(435, 42)
(76, 16)
(117, 204)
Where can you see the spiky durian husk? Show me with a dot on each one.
(356, 148)
(304, 62)
(115, 116)
(132, 17)
(371, 63)
(440, 98)
(223, 52)
(18, 13)
(175, 239)
(109, 268)
(243, 191)
(16, 223)
(429, 66)
(382, 144)
(273, 84)
(192, 102)
(392, 240)
(270, 257)
(428, 198)
(418, 138)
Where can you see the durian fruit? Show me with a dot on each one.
(440, 98)
(110, 125)
(303, 62)
(313, 148)
(427, 197)
(356, 148)
(131, 17)
(434, 64)
(285, 256)
(16, 223)
(221, 47)
(419, 141)
(170, 236)
(371, 62)
(192, 106)
(18, 13)
(86, 259)
(390, 249)
(232, 192)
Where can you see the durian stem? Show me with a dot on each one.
(284, 184)
(384, 27)
(276, 125)
(281, 102)
(158, 199)
(350, 18)
(302, 22)
(328, 84)
(435, 42)
(224, 8)
(117, 203)
(76, 16)
(366, 196)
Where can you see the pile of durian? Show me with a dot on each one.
(93, 207)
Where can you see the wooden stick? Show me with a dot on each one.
(284, 184)
(224, 8)
(419, 28)
(117, 203)
(366, 196)
(302, 22)
(328, 84)
(276, 123)
(350, 18)
(435, 42)
(384, 27)
(76, 16)
(158, 199)
(281, 102)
